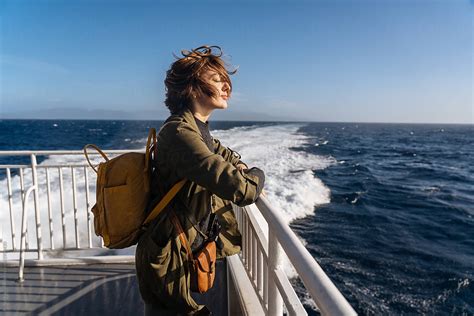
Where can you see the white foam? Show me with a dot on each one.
(290, 184)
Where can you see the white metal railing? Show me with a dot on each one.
(261, 250)
(35, 183)
(262, 256)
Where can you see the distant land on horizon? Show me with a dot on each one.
(162, 114)
(150, 114)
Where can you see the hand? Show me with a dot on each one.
(241, 167)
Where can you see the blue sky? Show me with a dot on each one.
(358, 61)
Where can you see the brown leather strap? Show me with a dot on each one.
(182, 236)
(164, 201)
(98, 150)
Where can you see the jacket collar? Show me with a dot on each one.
(189, 118)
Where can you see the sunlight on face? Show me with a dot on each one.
(222, 88)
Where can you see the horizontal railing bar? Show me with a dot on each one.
(10, 250)
(71, 261)
(79, 249)
(45, 166)
(62, 166)
(55, 251)
(63, 152)
(292, 302)
(14, 166)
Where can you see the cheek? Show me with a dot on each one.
(216, 89)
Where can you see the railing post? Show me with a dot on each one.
(24, 216)
(50, 213)
(22, 191)
(10, 205)
(88, 208)
(74, 203)
(275, 302)
(37, 210)
(61, 199)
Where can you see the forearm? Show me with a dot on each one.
(192, 160)
(228, 154)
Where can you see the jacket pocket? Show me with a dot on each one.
(160, 260)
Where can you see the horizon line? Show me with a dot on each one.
(256, 121)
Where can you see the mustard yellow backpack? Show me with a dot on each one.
(123, 193)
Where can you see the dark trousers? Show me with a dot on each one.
(214, 299)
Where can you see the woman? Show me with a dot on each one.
(196, 85)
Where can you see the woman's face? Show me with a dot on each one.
(222, 88)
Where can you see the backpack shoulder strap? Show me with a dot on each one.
(164, 201)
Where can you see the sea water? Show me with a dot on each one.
(386, 209)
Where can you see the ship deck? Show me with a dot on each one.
(105, 289)
(92, 289)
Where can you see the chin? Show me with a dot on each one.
(223, 106)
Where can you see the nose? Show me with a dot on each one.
(225, 87)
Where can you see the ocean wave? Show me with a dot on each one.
(290, 182)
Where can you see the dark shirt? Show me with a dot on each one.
(203, 226)
(206, 135)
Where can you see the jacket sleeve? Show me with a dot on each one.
(193, 160)
(228, 154)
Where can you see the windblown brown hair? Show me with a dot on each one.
(183, 79)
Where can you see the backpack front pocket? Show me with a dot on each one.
(118, 198)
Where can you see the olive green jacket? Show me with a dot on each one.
(214, 182)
